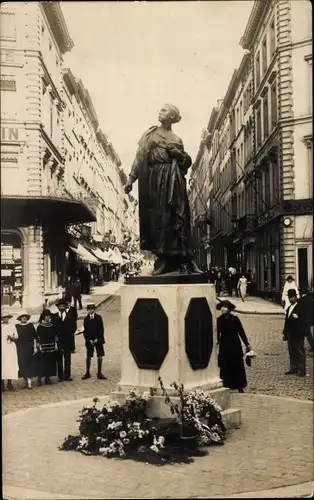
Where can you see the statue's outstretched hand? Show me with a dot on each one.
(128, 188)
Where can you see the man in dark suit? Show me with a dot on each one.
(65, 321)
(293, 333)
(307, 303)
(94, 339)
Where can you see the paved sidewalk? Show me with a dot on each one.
(99, 295)
(255, 305)
(272, 449)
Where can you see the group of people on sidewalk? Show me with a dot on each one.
(230, 280)
(45, 351)
(231, 335)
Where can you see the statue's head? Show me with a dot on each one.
(169, 113)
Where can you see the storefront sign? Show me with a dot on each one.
(16, 253)
(6, 253)
(5, 273)
(9, 134)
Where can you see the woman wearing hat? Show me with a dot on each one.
(230, 332)
(26, 348)
(47, 347)
(9, 364)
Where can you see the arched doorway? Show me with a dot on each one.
(11, 267)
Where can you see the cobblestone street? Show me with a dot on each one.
(265, 431)
(265, 376)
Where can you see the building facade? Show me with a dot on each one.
(261, 201)
(59, 173)
(279, 38)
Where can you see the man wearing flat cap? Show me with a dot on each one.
(65, 321)
(94, 340)
(294, 333)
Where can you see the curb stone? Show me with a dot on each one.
(303, 490)
(255, 312)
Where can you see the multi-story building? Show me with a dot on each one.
(59, 173)
(33, 40)
(279, 38)
(263, 187)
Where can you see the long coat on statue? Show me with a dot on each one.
(230, 332)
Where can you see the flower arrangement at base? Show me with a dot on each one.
(125, 431)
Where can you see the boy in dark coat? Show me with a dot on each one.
(94, 339)
(294, 333)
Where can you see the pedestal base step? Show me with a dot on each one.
(232, 418)
(157, 408)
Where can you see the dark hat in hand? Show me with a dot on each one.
(292, 293)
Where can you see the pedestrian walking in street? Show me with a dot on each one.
(26, 348)
(65, 323)
(294, 333)
(230, 333)
(9, 364)
(76, 291)
(290, 284)
(94, 340)
(242, 287)
(47, 348)
(218, 282)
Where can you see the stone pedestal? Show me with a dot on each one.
(169, 331)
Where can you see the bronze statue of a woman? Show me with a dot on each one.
(160, 166)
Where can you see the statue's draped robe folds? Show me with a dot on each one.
(164, 212)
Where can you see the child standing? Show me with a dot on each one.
(10, 367)
(94, 339)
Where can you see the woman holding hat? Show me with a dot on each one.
(47, 347)
(26, 348)
(230, 332)
(9, 364)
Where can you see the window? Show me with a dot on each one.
(8, 83)
(309, 78)
(51, 115)
(273, 104)
(303, 269)
(266, 187)
(265, 117)
(275, 181)
(258, 128)
(257, 71)
(272, 38)
(264, 56)
(8, 25)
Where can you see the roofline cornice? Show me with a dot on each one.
(56, 20)
(256, 15)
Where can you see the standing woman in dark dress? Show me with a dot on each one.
(26, 348)
(230, 332)
(47, 347)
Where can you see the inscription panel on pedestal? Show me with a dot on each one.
(148, 334)
(198, 333)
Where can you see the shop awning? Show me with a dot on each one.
(101, 255)
(84, 254)
(31, 210)
(115, 257)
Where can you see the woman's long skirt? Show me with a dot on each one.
(232, 371)
(47, 364)
(26, 359)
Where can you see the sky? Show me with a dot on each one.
(135, 56)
